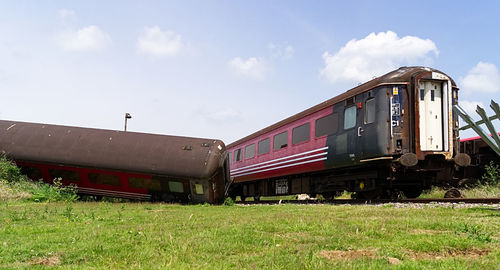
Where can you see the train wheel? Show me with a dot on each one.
(243, 198)
(256, 198)
(412, 193)
(369, 195)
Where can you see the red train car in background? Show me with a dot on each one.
(481, 155)
(119, 164)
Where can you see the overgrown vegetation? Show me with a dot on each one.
(16, 186)
(492, 175)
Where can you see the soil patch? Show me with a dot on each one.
(48, 261)
(348, 254)
(430, 232)
(468, 254)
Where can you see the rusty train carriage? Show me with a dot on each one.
(119, 164)
(394, 133)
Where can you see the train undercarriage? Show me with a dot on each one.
(378, 180)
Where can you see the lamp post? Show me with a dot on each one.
(127, 116)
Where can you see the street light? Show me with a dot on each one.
(127, 116)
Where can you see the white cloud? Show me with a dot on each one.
(156, 42)
(252, 67)
(470, 107)
(374, 55)
(66, 14)
(484, 77)
(90, 38)
(282, 52)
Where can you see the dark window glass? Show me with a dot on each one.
(64, 175)
(237, 155)
(301, 133)
(280, 140)
(432, 95)
(264, 146)
(370, 111)
(250, 151)
(350, 117)
(422, 94)
(106, 179)
(32, 172)
(175, 187)
(149, 184)
(327, 125)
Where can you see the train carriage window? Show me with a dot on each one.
(370, 111)
(237, 155)
(146, 183)
(64, 175)
(175, 187)
(32, 172)
(106, 179)
(250, 151)
(230, 157)
(263, 146)
(327, 125)
(350, 117)
(280, 140)
(301, 133)
(422, 94)
(198, 189)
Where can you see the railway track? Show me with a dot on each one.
(379, 201)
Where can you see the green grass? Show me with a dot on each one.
(481, 191)
(165, 236)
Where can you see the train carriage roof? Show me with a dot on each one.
(401, 75)
(110, 149)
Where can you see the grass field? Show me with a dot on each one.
(105, 235)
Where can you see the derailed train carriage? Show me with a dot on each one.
(395, 133)
(119, 164)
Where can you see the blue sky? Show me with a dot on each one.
(224, 69)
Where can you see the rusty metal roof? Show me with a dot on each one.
(111, 149)
(401, 75)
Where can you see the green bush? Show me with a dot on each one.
(18, 184)
(228, 201)
(8, 170)
(492, 174)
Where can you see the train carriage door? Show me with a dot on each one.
(430, 116)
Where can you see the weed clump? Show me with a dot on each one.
(228, 202)
(16, 186)
(491, 175)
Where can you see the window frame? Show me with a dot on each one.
(333, 114)
(282, 146)
(308, 133)
(365, 120)
(237, 153)
(268, 146)
(355, 109)
(250, 146)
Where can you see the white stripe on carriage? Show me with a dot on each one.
(106, 191)
(278, 159)
(281, 167)
(280, 163)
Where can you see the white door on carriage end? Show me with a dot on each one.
(430, 114)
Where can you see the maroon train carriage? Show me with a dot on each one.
(481, 155)
(119, 164)
(394, 133)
